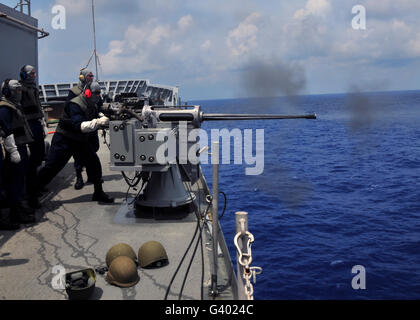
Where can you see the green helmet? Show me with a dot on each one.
(121, 249)
(152, 255)
(123, 272)
(80, 284)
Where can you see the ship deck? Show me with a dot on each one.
(76, 233)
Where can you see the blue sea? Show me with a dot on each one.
(336, 192)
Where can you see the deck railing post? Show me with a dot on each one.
(215, 215)
(241, 219)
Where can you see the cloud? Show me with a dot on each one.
(313, 8)
(244, 37)
(185, 22)
(179, 41)
(151, 46)
(205, 45)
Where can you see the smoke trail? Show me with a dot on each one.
(366, 109)
(273, 78)
(267, 80)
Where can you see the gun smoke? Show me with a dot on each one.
(269, 79)
(364, 110)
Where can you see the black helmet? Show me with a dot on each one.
(80, 284)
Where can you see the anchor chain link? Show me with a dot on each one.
(245, 260)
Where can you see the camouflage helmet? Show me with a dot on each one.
(121, 249)
(123, 272)
(152, 255)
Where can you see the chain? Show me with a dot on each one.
(245, 260)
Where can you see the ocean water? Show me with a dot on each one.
(336, 192)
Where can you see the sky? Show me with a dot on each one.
(237, 48)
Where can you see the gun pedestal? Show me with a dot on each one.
(165, 194)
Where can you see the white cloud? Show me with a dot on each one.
(171, 39)
(185, 22)
(151, 46)
(205, 45)
(244, 37)
(314, 8)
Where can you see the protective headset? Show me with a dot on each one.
(23, 74)
(87, 92)
(6, 90)
(82, 78)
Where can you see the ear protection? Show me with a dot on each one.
(6, 89)
(88, 93)
(23, 74)
(81, 77)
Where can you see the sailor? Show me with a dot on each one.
(86, 77)
(159, 101)
(31, 107)
(7, 142)
(16, 151)
(80, 118)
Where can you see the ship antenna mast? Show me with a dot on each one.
(94, 40)
(23, 3)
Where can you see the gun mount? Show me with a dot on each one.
(155, 143)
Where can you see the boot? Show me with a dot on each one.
(7, 225)
(79, 180)
(40, 192)
(100, 196)
(34, 203)
(5, 221)
(22, 214)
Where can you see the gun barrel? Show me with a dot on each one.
(225, 116)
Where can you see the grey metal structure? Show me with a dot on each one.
(142, 87)
(19, 42)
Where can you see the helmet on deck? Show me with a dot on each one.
(121, 249)
(123, 272)
(152, 255)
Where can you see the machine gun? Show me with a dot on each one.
(142, 138)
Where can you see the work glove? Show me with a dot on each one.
(90, 126)
(103, 121)
(11, 148)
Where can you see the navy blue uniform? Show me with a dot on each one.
(5, 120)
(37, 150)
(13, 174)
(64, 146)
(93, 137)
(32, 109)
